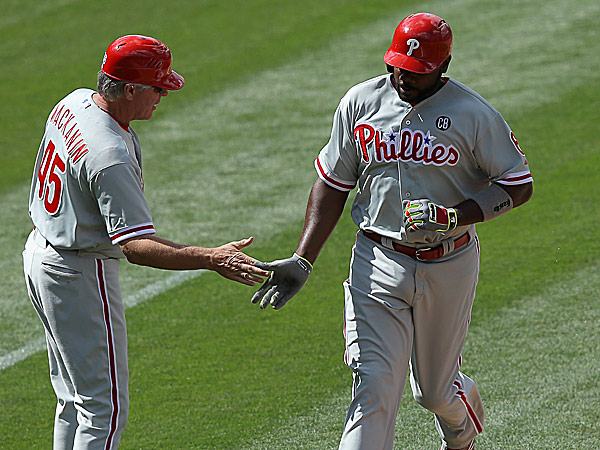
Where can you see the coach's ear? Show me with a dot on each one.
(128, 91)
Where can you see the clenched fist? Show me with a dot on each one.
(425, 215)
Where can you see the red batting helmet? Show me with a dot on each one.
(143, 60)
(421, 43)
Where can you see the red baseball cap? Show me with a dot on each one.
(141, 59)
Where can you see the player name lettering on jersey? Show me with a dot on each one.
(407, 145)
(62, 119)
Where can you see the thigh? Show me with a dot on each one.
(378, 331)
(441, 314)
(84, 317)
(378, 317)
(386, 276)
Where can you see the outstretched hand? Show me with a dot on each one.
(231, 263)
(287, 278)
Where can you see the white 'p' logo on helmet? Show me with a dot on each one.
(413, 44)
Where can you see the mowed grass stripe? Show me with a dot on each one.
(217, 43)
(152, 290)
(222, 428)
(13, 11)
(541, 376)
(517, 357)
(253, 144)
(52, 46)
(263, 398)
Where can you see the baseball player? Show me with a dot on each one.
(88, 210)
(429, 158)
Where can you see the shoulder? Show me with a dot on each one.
(367, 88)
(113, 151)
(109, 146)
(79, 98)
(469, 98)
(70, 104)
(373, 84)
(369, 94)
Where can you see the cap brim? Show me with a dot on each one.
(407, 63)
(173, 82)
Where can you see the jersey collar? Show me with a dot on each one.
(393, 81)
(121, 124)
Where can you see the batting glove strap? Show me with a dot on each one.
(303, 262)
(428, 216)
(445, 217)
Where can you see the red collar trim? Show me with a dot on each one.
(121, 124)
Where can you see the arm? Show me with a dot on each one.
(227, 260)
(487, 204)
(469, 211)
(325, 206)
(121, 201)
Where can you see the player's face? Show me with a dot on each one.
(145, 101)
(413, 87)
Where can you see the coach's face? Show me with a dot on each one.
(145, 102)
(414, 87)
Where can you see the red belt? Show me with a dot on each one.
(421, 254)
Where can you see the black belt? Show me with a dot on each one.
(421, 254)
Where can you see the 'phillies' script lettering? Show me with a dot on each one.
(407, 145)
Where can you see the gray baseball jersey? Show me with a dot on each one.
(400, 310)
(86, 197)
(87, 188)
(446, 148)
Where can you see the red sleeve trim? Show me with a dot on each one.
(330, 181)
(133, 231)
(517, 179)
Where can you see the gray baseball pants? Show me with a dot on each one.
(400, 312)
(77, 297)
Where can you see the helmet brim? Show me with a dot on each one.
(411, 64)
(173, 82)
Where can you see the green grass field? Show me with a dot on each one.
(231, 155)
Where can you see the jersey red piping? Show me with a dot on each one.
(121, 124)
(331, 180)
(132, 230)
(517, 178)
(474, 419)
(112, 362)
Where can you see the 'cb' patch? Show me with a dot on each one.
(443, 123)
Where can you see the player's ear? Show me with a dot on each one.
(445, 64)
